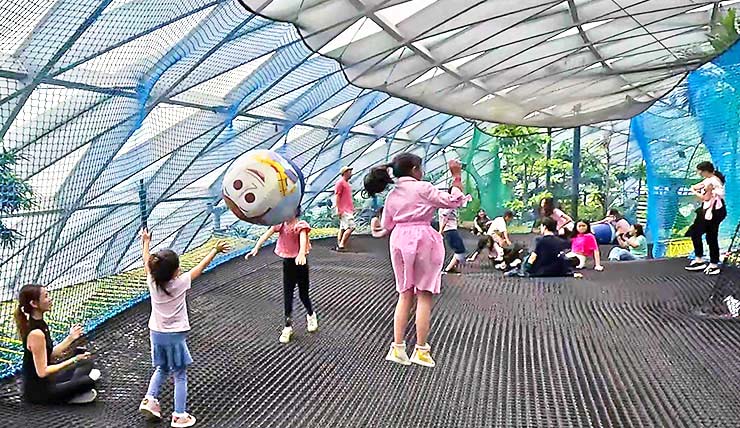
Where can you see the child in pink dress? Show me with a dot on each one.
(584, 245)
(292, 246)
(417, 250)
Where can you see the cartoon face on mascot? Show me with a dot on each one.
(263, 187)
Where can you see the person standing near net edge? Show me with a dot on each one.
(711, 193)
(345, 208)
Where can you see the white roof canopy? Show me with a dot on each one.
(549, 63)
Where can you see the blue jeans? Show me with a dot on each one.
(623, 255)
(181, 386)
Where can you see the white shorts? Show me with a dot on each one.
(347, 221)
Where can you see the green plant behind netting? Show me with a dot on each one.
(15, 196)
(724, 31)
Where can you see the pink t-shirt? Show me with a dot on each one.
(169, 312)
(289, 238)
(584, 244)
(448, 216)
(413, 201)
(343, 190)
(622, 226)
(559, 216)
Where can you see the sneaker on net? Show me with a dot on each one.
(695, 266)
(149, 407)
(397, 354)
(182, 421)
(451, 272)
(712, 270)
(422, 356)
(286, 334)
(84, 398)
(312, 323)
(733, 306)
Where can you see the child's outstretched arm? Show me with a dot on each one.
(301, 257)
(260, 242)
(221, 247)
(442, 199)
(597, 260)
(146, 238)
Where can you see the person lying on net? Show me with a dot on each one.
(69, 381)
(620, 224)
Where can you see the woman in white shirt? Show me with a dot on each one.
(711, 193)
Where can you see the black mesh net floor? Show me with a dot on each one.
(614, 349)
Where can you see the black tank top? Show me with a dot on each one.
(34, 387)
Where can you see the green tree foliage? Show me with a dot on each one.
(724, 31)
(524, 168)
(15, 196)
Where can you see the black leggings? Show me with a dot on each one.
(711, 229)
(295, 274)
(65, 385)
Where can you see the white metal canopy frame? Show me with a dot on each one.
(550, 63)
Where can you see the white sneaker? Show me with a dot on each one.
(712, 270)
(695, 266)
(397, 354)
(182, 421)
(312, 323)
(422, 356)
(149, 407)
(286, 334)
(84, 398)
(733, 305)
(94, 374)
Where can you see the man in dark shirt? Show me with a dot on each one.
(547, 259)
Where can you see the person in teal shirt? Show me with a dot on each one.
(633, 247)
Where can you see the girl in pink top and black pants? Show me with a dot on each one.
(417, 250)
(292, 246)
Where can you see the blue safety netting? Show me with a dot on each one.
(110, 109)
(698, 121)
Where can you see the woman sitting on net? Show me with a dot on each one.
(69, 381)
(633, 246)
(482, 223)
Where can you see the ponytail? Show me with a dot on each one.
(21, 322)
(720, 176)
(162, 267)
(377, 180)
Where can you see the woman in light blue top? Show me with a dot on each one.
(633, 246)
